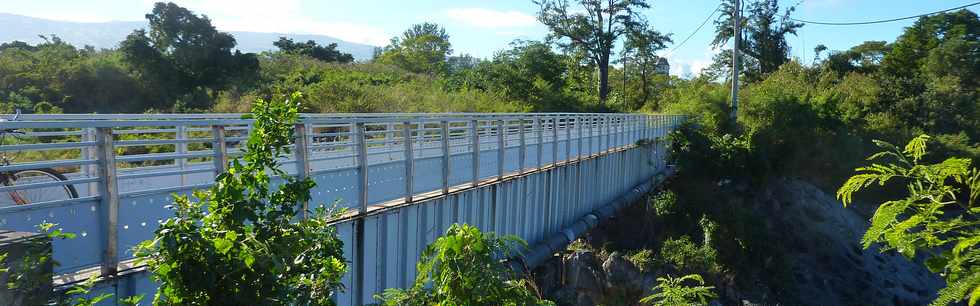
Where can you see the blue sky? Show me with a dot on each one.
(480, 28)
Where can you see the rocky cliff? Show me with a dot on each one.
(827, 264)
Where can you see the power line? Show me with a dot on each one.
(696, 30)
(882, 21)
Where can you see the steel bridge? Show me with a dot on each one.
(404, 177)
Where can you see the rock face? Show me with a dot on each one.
(830, 266)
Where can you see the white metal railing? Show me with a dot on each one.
(363, 159)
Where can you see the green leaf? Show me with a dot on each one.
(222, 245)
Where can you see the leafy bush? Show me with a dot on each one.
(466, 267)
(699, 152)
(644, 259)
(674, 292)
(938, 214)
(664, 203)
(239, 244)
(686, 255)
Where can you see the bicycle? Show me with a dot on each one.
(30, 178)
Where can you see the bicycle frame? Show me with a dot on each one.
(7, 178)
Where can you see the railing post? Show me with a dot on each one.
(182, 149)
(389, 138)
(445, 156)
(621, 128)
(591, 133)
(362, 165)
(540, 136)
(91, 152)
(220, 147)
(302, 159)
(475, 130)
(643, 126)
(522, 157)
(362, 182)
(578, 124)
(409, 161)
(608, 132)
(501, 147)
(554, 140)
(109, 198)
(568, 138)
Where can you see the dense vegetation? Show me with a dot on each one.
(817, 122)
(240, 242)
(183, 64)
(467, 267)
(813, 120)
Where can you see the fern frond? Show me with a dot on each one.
(899, 237)
(882, 221)
(964, 244)
(916, 148)
(958, 290)
(855, 184)
(885, 145)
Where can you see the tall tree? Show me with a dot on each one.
(643, 43)
(422, 48)
(865, 57)
(327, 53)
(187, 53)
(763, 35)
(593, 31)
(932, 74)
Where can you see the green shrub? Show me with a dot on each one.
(240, 242)
(644, 259)
(675, 292)
(686, 255)
(664, 203)
(466, 267)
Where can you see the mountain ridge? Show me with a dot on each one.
(108, 34)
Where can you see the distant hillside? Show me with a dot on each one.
(109, 34)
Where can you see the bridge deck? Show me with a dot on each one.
(366, 162)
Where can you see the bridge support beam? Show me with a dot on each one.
(544, 250)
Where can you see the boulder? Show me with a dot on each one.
(584, 275)
(621, 273)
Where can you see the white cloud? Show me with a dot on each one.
(684, 65)
(487, 18)
(282, 16)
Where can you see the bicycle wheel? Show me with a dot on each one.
(40, 194)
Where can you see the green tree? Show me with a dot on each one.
(938, 215)
(931, 76)
(592, 32)
(466, 267)
(763, 36)
(531, 71)
(640, 56)
(241, 242)
(328, 53)
(865, 58)
(422, 48)
(185, 53)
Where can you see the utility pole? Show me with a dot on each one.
(735, 67)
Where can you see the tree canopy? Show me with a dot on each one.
(763, 33)
(328, 53)
(591, 31)
(422, 48)
(184, 53)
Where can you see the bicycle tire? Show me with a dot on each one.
(69, 190)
